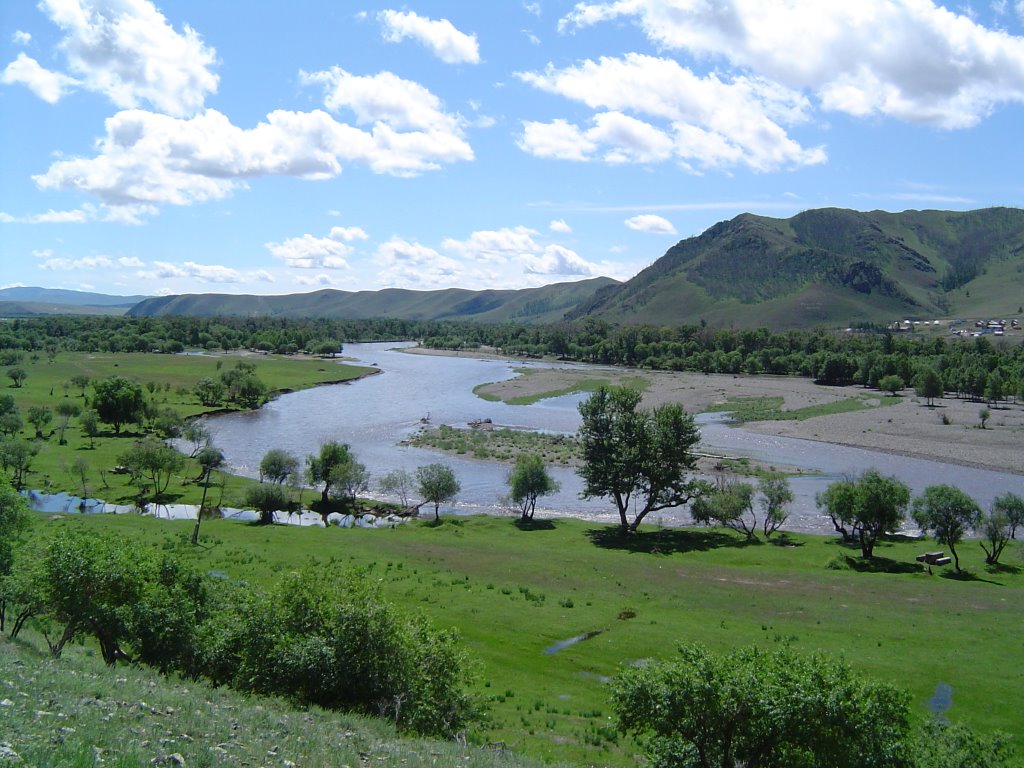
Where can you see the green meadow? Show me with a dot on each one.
(514, 592)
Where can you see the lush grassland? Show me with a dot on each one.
(514, 592)
(770, 408)
(168, 381)
(500, 444)
(582, 385)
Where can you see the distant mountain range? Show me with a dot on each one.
(825, 267)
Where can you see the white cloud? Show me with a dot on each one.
(128, 51)
(131, 261)
(206, 273)
(47, 85)
(649, 222)
(411, 265)
(76, 216)
(700, 122)
(439, 36)
(68, 265)
(558, 260)
(261, 276)
(911, 60)
(148, 159)
(316, 281)
(559, 225)
(496, 245)
(347, 234)
(310, 252)
(21, 38)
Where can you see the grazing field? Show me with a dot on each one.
(517, 593)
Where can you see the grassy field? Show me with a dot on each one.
(515, 592)
(770, 408)
(499, 444)
(583, 385)
(168, 381)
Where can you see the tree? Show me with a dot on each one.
(948, 513)
(528, 481)
(995, 532)
(983, 416)
(39, 416)
(761, 709)
(16, 457)
(437, 484)
(1011, 505)
(891, 384)
(994, 387)
(197, 434)
(318, 468)
(152, 463)
(277, 465)
(17, 376)
(871, 505)
(928, 384)
(325, 348)
(118, 401)
(210, 392)
(397, 482)
(348, 480)
(632, 455)
(776, 494)
(66, 411)
(168, 423)
(10, 416)
(210, 459)
(89, 421)
(728, 504)
(80, 470)
(266, 498)
(13, 520)
(80, 382)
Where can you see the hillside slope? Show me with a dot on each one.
(830, 266)
(548, 303)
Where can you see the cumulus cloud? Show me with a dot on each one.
(68, 265)
(913, 61)
(494, 245)
(558, 260)
(311, 252)
(131, 261)
(406, 264)
(126, 50)
(649, 222)
(559, 225)
(440, 37)
(76, 216)
(316, 281)
(149, 159)
(47, 85)
(206, 273)
(651, 109)
(21, 38)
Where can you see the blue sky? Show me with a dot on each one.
(263, 147)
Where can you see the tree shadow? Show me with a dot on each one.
(967, 576)
(1003, 568)
(665, 541)
(881, 565)
(782, 539)
(534, 525)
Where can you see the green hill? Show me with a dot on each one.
(548, 303)
(830, 266)
(21, 301)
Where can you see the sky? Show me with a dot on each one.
(270, 148)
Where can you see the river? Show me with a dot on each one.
(376, 413)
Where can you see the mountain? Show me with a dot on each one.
(548, 303)
(828, 267)
(23, 301)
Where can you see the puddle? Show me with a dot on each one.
(942, 699)
(563, 644)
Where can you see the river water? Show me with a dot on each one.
(375, 414)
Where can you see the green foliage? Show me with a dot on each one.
(730, 504)
(757, 708)
(266, 498)
(528, 480)
(17, 376)
(319, 468)
(118, 401)
(39, 416)
(948, 513)
(152, 463)
(928, 384)
(1011, 505)
(209, 391)
(629, 454)
(437, 485)
(16, 457)
(941, 744)
(66, 411)
(891, 384)
(865, 508)
(277, 465)
(776, 495)
(397, 482)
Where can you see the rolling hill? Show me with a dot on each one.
(21, 301)
(548, 303)
(830, 267)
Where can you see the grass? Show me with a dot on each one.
(500, 444)
(168, 381)
(581, 385)
(769, 408)
(514, 591)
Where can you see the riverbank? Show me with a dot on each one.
(909, 427)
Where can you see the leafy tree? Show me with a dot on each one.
(437, 484)
(118, 401)
(39, 416)
(66, 411)
(983, 416)
(528, 481)
(13, 520)
(266, 498)
(941, 744)
(210, 392)
(348, 480)
(16, 457)
(891, 384)
(397, 482)
(17, 376)
(325, 348)
(766, 709)
(776, 494)
(80, 471)
(277, 465)
(948, 513)
(89, 421)
(318, 468)
(730, 504)
(10, 416)
(995, 533)
(168, 423)
(871, 505)
(152, 463)
(635, 455)
(928, 384)
(1011, 505)
(80, 382)
(197, 434)
(994, 387)
(210, 459)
